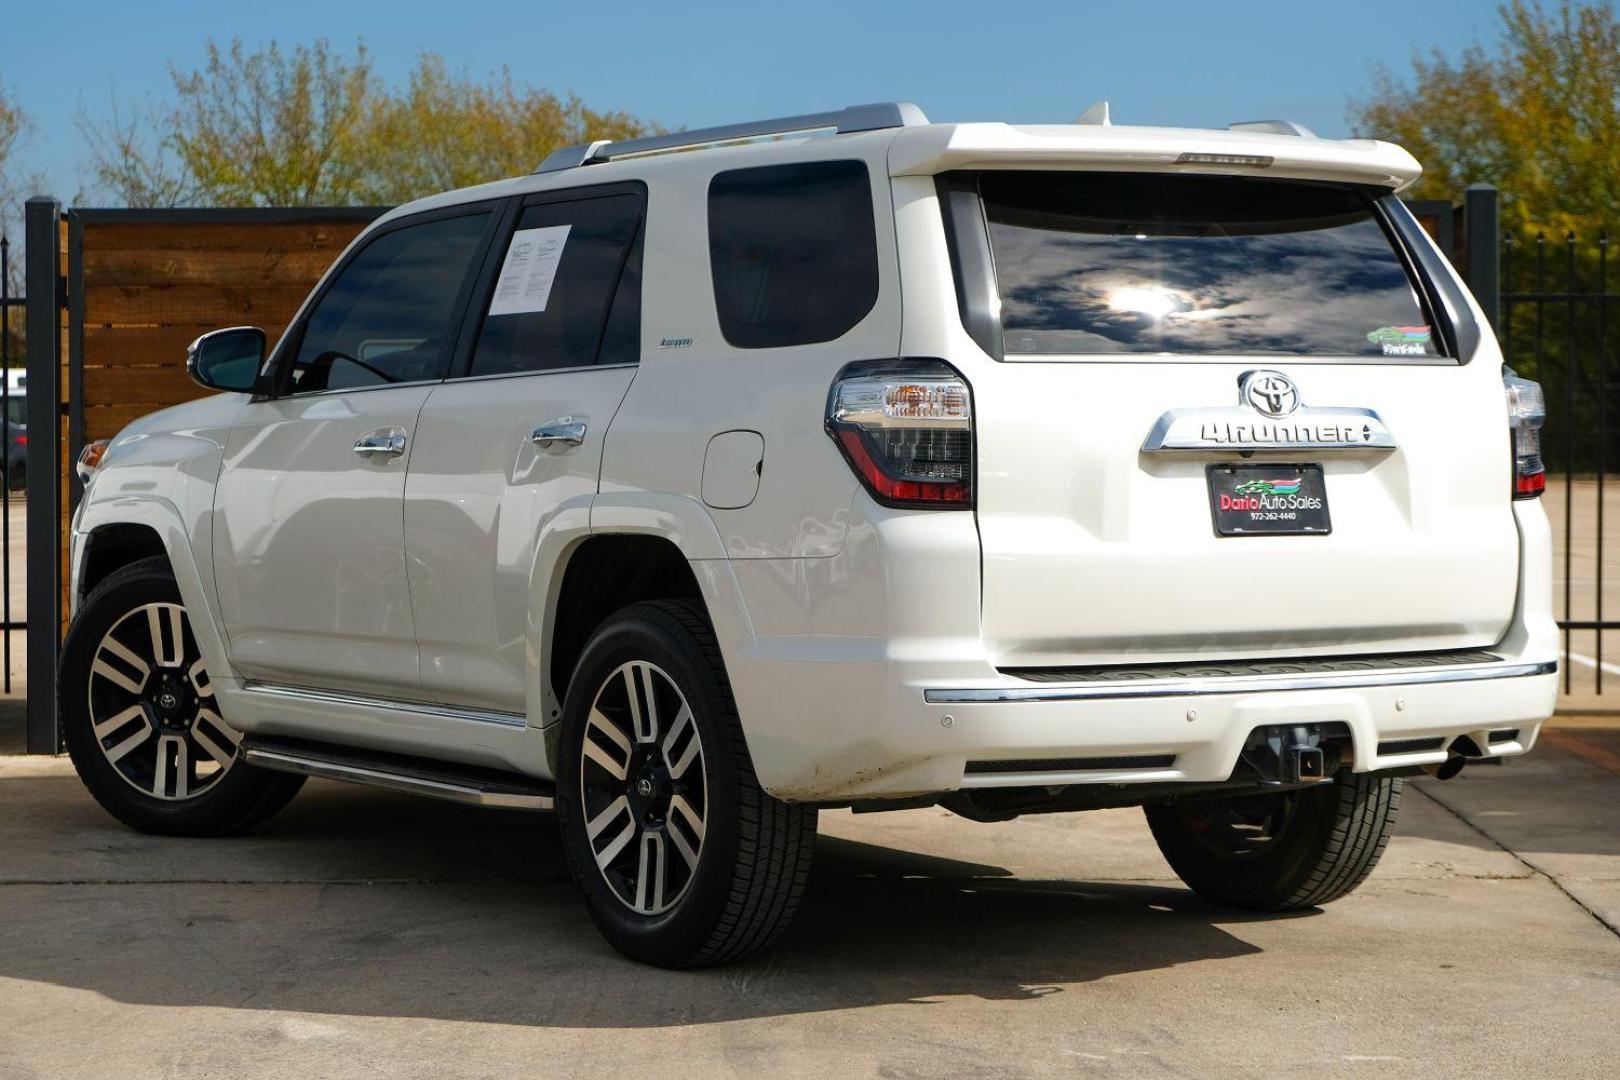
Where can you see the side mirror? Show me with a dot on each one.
(227, 359)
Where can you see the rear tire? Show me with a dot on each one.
(140, 721)
(685, 861)
(1279, 852)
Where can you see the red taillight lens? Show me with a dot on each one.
(1527, 410)
(22, 440)
(906, 428)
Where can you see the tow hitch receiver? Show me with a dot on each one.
(1294, 754)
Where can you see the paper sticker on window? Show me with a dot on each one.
(529, 270)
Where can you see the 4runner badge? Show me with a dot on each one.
(1270, 415)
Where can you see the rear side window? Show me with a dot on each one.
(1152, 263)
(553, 304)
(793, 250)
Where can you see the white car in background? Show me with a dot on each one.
(1009, 469)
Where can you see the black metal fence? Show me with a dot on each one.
(10, 349)
(1556, 310)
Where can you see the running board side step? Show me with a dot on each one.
(401, 772)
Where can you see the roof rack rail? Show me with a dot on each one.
(888, 114)
(1274, 127)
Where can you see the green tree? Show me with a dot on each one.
(1536, 115)
(133, 161)
(265, 127)
(273, 128)
(14, 127)
(448, 131)
(310, 126)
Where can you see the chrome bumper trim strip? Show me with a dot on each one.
(359, 701)
(1248, 684)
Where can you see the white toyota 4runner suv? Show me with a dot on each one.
(695, 483)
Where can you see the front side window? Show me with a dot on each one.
(569, 289)
(387, 316)
(793, 250)
(1093, 262)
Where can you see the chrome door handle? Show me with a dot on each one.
(380, 442)
(565, 431)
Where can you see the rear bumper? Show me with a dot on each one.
(1396, 718)
(865, 676)
(870, 742)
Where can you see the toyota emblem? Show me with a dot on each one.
(1270, 393)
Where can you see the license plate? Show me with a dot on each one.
(1268, 500)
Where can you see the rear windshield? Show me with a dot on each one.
(1156, 263)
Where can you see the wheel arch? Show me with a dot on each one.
(113, 533)
(603, 573)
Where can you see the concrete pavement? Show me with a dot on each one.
(362, 933)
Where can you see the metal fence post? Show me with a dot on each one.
(1484, 270)
(44, 276)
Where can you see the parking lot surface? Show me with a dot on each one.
(367, 934)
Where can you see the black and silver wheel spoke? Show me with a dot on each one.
(152, 707)
(644, 787)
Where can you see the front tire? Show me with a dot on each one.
(140, 721)
(684, 860)
(1280, 852)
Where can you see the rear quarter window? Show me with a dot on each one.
(793, 251)
(1100, 263)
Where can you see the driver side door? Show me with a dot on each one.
(309, 547)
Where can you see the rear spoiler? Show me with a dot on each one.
(937, 148)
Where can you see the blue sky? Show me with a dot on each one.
(691, 64)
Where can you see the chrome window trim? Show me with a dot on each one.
(540, 372)
(308, 696)
(309, 394)
(1246, 684)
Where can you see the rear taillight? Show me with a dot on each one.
(906, 428)
(1527, 409)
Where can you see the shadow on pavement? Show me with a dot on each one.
(1562, 798)
(479, 923)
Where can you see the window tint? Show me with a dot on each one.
(1151, 263)
(793, 250)
(387, 316)
(550, 303)
(621, 341)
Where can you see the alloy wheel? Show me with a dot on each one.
(152, 706)
(643, 787)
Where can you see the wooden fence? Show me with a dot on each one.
(150, 282)
(126, 291)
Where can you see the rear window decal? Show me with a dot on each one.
(1401, 340)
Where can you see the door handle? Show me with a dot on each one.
(564, 431)
(380, 442)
